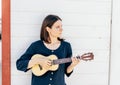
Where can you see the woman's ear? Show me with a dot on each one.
(48, 29)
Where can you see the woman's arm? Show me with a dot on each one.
(44, 62)
(75, 61)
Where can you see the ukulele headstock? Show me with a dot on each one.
(87, 56)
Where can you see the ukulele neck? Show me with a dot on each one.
(61, 61)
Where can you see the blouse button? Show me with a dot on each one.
(51, 72)
(50, 78)
(52, 51)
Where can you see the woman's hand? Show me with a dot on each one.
(75, 61)
(45, 63)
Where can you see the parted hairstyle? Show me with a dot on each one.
(48, 22)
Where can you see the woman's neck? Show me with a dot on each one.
(54, 44)
(54, 40)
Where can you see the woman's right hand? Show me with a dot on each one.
(45, 63)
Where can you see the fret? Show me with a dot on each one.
(61, 61)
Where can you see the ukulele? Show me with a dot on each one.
(38, 70)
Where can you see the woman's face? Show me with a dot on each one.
(56, 29)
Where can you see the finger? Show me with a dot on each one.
(49, 62)
(73, 59)
(76, 59)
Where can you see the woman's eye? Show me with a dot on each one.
(57, 28)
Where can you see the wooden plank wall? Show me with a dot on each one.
(86, 24)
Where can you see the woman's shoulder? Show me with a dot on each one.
(66, 42)
(37, 42)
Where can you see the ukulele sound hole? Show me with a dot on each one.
(40, 67)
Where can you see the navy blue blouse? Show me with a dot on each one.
(50, 77)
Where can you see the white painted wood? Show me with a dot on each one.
(115, 48)
(86, 25)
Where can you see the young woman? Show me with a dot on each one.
(50, 43)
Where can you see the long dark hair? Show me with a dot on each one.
(48, 22)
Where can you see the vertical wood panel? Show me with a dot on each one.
(5, 42)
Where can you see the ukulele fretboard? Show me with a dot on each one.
(61, 61)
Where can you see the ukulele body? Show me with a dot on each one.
(38, 70)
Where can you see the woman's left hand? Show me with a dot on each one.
(75, 61)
